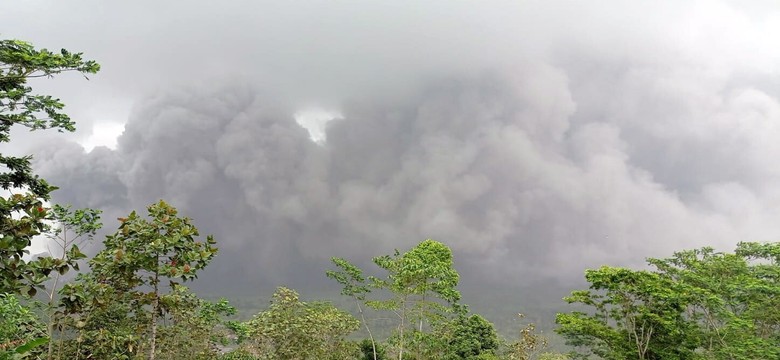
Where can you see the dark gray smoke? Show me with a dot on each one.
(503, 169)
(534, 138)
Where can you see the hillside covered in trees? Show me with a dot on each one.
(130, 300)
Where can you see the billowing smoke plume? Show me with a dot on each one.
(570, 138)
(502, 168)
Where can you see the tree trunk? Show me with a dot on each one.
(422, 314)
(365, 324)
(53, 292)
(155, 308)
(50, 330)
(50, 327)
(422, 310)
(403, 324)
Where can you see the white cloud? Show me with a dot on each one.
(103, 134)
(314, 120)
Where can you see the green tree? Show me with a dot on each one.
(354, 286)
(293, 329)
(106, 322)
(552, 356)
(697, 304)
(733, 299)
(72, 228)
(142, 253)
(423, 286)
(196, 327)
(471, 337)
(18, 326)
(635, 315)
(371, 350)
(22, 213)
(529, 343)
(238, 354)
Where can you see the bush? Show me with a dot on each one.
(367, 350)
(18, 325)
(238, 355)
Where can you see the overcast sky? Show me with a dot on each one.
(536, 138)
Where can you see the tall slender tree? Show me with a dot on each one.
(423, 284)
(71, 229)
(354, 286)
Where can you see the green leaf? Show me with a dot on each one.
(27, 347)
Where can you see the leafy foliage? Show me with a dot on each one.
(18, 326)
(472, 337)
(22, 214)
(20, 61)
(354, 286)
(239, 354)
(70, 230)
(698, 304)
(529, 344)
(423, 287)
(141, 253)
(196, 328)
(106, 324)
(638, 315)
(371, 350)
(733, 299)
(144, 250)
(293, 329)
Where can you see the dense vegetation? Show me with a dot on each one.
(132, 302)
